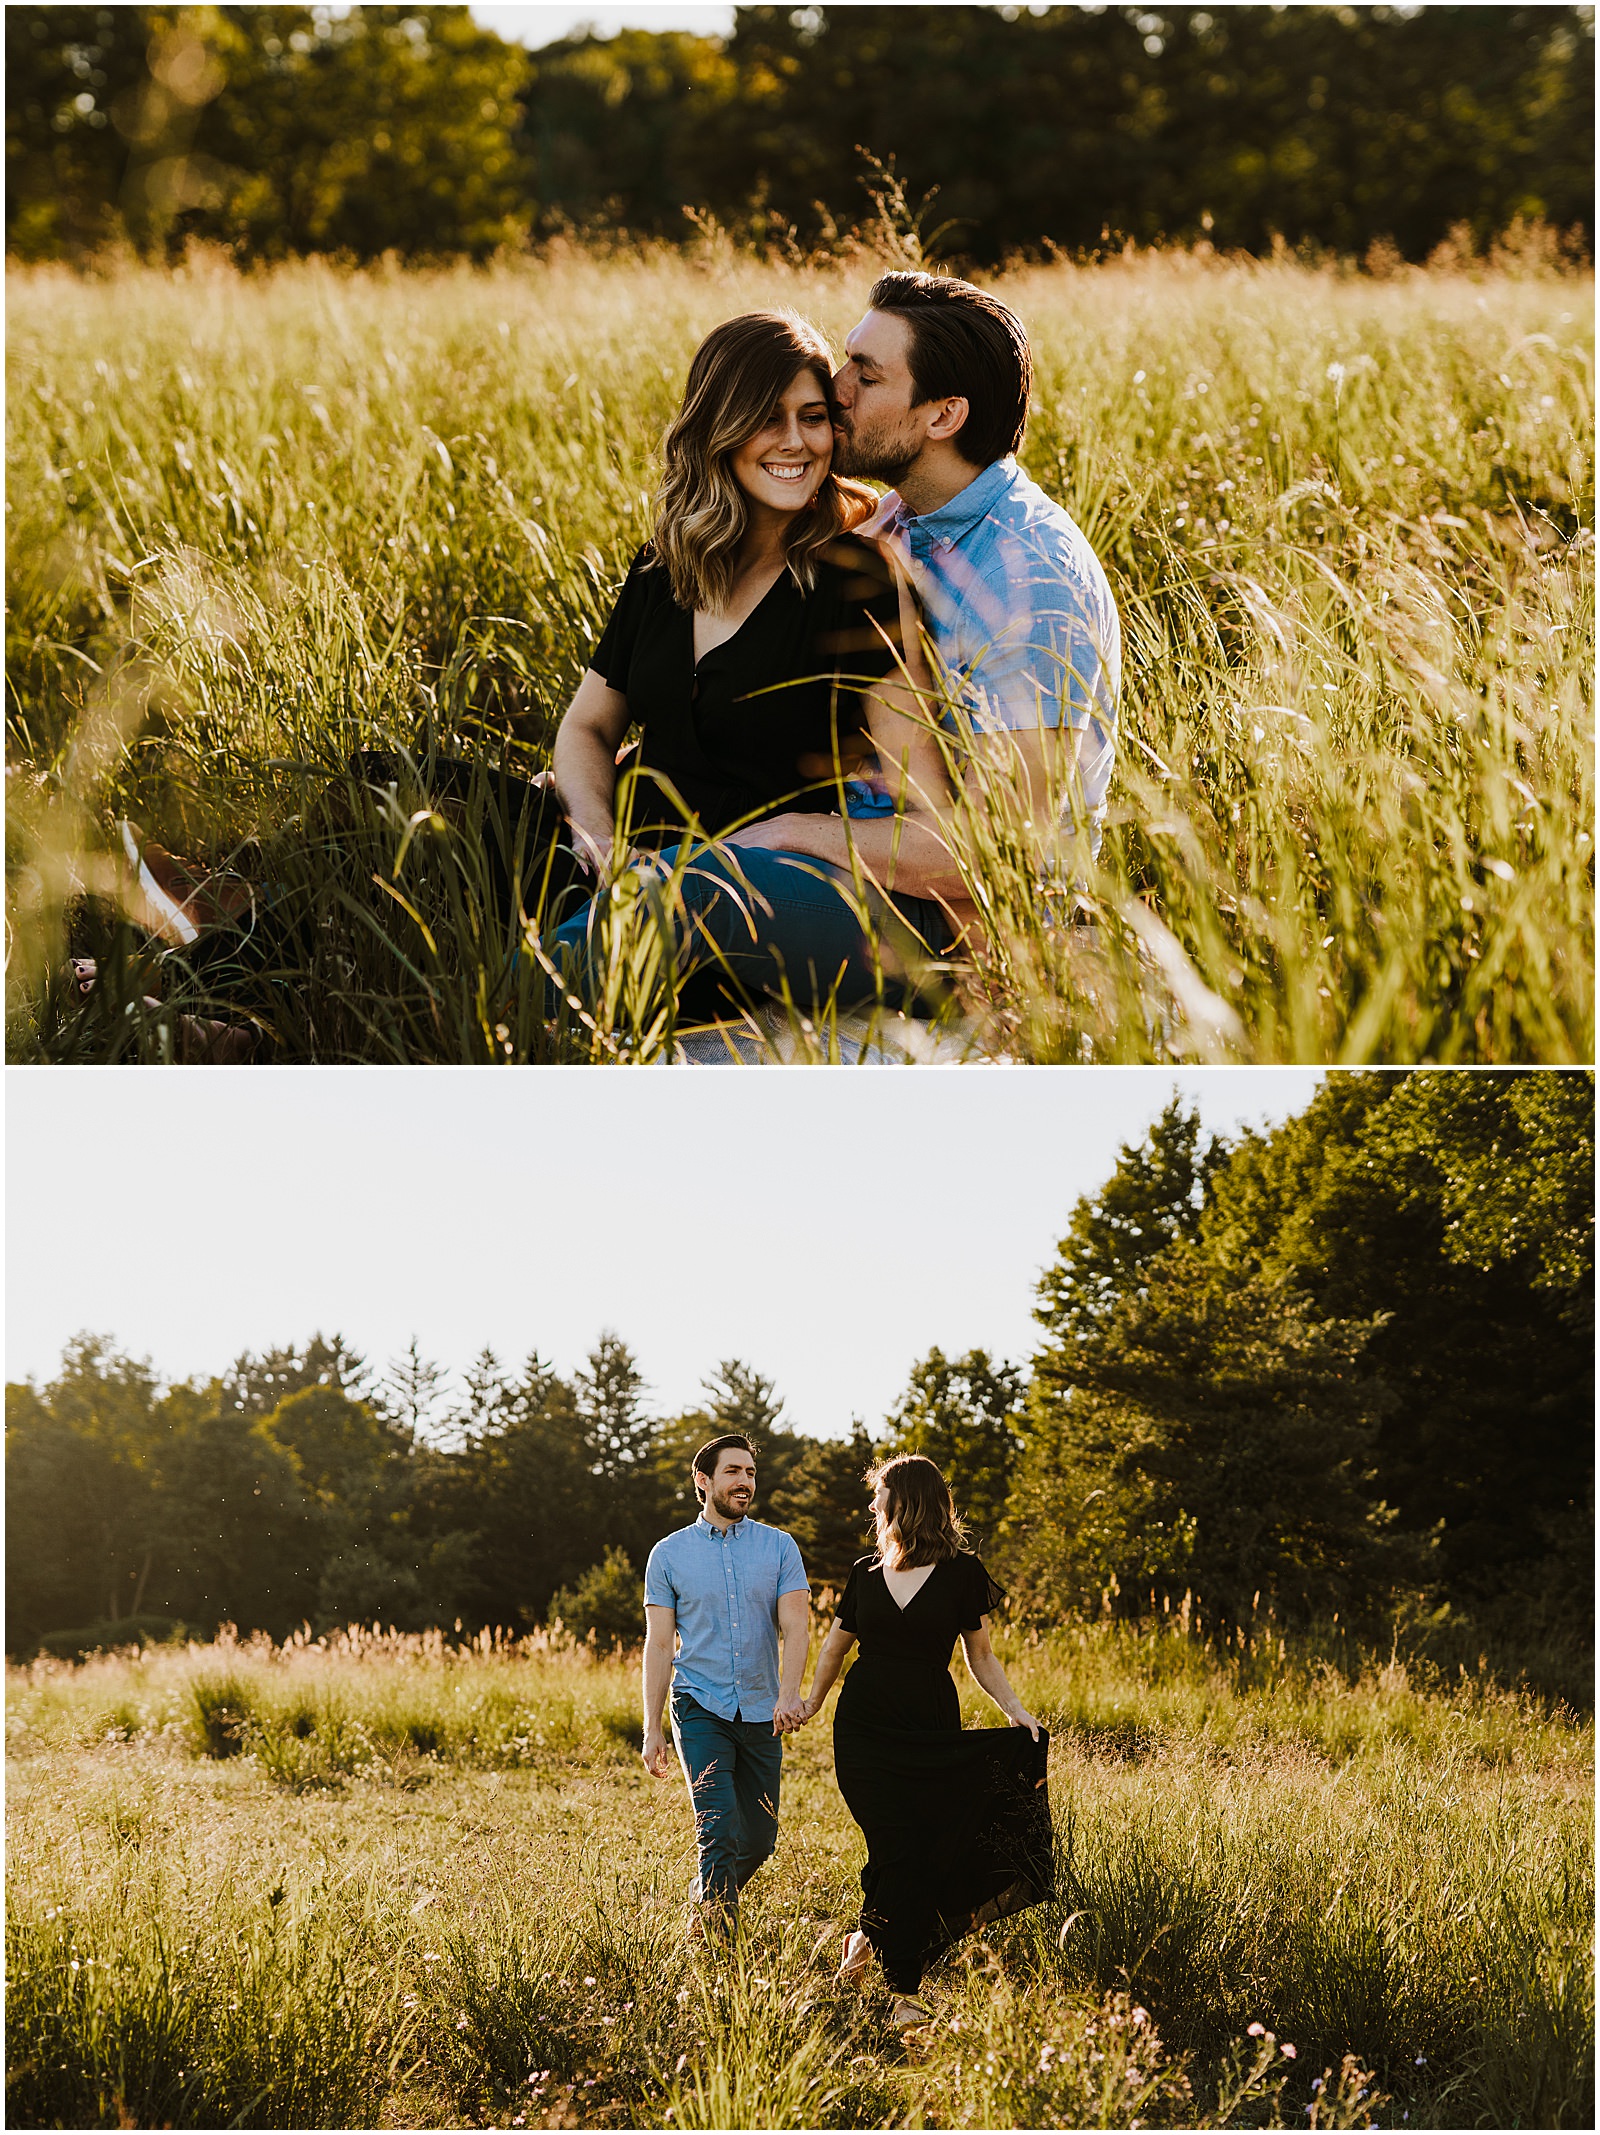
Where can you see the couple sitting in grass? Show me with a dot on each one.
(839, 698)
(825, 682)
(956, 1821)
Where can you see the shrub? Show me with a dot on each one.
(606, 1604)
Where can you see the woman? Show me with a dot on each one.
(741, 646)
(957, 1822)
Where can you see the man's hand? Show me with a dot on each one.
(776, 833)
(657, 1757)
(789, 1715)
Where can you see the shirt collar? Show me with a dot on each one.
(717, 1533)
(964, 510)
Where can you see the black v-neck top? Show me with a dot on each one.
(728, 733)
(955, 1597)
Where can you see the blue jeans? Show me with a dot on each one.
(776, 922)
(733, 1769)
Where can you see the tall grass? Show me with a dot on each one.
(1325, 1896)
(258, 521)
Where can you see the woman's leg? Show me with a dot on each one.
(895, 1917)
(775, 923)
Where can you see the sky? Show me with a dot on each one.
(826, 1227)
(543, 25)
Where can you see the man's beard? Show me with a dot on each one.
(725, 1509)
(881, 458)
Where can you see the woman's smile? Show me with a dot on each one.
(792, 450)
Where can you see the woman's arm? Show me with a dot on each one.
(988, 1673)
(829, 1661)
(584, 761)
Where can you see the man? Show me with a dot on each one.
(933, 397)
(725, 1589)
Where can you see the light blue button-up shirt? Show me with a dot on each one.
(724, 1589)
(1021, 614)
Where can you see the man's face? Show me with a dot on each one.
(877, 431)
(733, 1487)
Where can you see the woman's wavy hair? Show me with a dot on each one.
(740, 371)
(921, 1523)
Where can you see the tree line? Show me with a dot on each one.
(1341, 1368)
(283, 131)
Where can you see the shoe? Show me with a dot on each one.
(909, 2013)
(855, 1959)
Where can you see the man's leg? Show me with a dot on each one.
(708, 1749)
(757, 1778)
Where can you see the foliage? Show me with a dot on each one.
(1362, 1339)
(605, 1602)
(1216, 1438)
(286, 130)
(1151, 1201)
(823, 1502)
(280, 129)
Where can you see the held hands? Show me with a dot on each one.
(789, 1715)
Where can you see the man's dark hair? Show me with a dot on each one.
(705, 1461)
(964, 344)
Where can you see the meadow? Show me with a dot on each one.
(257, 520)
(391, 1881)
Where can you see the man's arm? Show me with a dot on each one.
(794, 1628)
(1029, 765)
(916, 855)
(660, 1642)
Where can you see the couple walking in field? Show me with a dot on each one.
(811, 706)
(956, 1822)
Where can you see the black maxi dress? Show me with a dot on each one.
(957, 1821)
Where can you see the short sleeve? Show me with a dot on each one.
(659, 1591)
(613, 653)
(845, 1614)
(982, 1595)
(791, 1568)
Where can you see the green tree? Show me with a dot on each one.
(964, 1414)
(282, 130)
(245, 1543)
(80, 1521)
(411, 1392)
(524, 1492)
(1216, 1438)
(1153, 1198)
(1461, 1208)
(823, 1504)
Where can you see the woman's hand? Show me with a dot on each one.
(1022, 1718)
